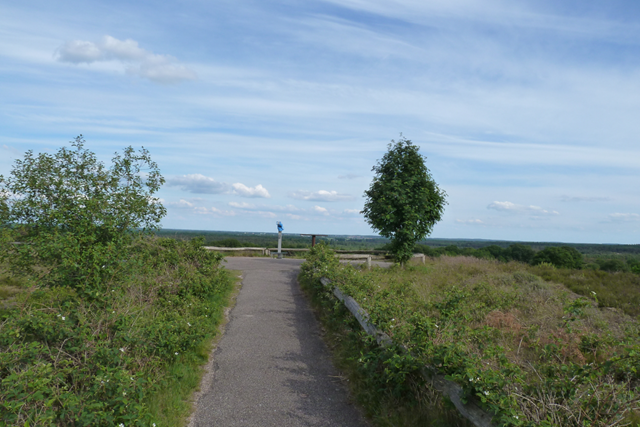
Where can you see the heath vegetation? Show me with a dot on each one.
(101, 324)
(517, 339)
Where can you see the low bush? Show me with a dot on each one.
(69, 359)
(526, 348)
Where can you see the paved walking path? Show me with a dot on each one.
(271, 367)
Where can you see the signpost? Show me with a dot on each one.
(313, 237)
(280, 229)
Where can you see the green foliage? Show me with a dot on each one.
(620, 290)
(613, 265)
(527, 350)
(73, 217)
(68, 360)
(228, 243)
(562, 257)
(320, 262)
(102, 317)
(403, 201)
(519, 252)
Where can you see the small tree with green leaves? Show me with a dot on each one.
(403, 202)
(560, 256)
(72, 218)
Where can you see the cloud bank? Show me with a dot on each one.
(163, 69)
(515, 208)
(200, 184)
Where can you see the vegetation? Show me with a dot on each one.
(100, 324)
(66, 359)
(403, 202)
(524, 347)
(73, 217)
(622, 258)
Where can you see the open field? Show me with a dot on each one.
(518, 341)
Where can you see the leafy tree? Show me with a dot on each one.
(403, 201)
(73, 217)
(562, 256)
(613, 265)
(496, 252)
(520, 252)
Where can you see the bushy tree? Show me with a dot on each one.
(403, 202)
(613, 265)
(520, 252)
(72, 217)
(562, 256)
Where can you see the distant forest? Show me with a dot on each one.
(431, 247)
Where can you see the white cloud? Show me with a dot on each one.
(352, 211)
(244, 191)
(469, 221)
(182, 204)
(320, 196)
(515, 208)
(624, 217)
(200, 184)
(242, 205)
(321, 210)
(349, 176)
(266, 214)
(212, 211)
(163, 69)
(78, 51)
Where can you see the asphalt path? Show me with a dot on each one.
(271, 367)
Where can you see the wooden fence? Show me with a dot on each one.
(469, 410)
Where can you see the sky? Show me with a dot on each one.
(528, 112)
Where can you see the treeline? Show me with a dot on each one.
(558, 256)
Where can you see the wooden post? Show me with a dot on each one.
(313, 240)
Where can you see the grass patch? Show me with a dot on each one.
(414, 404)
(529, 350)
(620, 290)
(173, 402)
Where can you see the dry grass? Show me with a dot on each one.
(501, 319)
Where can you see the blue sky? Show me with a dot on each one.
(258, 111)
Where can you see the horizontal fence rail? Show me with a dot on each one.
(472, 412)
(342, 254)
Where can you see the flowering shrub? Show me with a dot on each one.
(66, 359)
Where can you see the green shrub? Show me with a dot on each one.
(562, 257)
(528, 350)
(68, 360)
(75, 218)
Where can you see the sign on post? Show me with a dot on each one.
(280, 229)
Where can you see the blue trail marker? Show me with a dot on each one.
(280, 229)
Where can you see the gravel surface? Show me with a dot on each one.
(271, 368)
